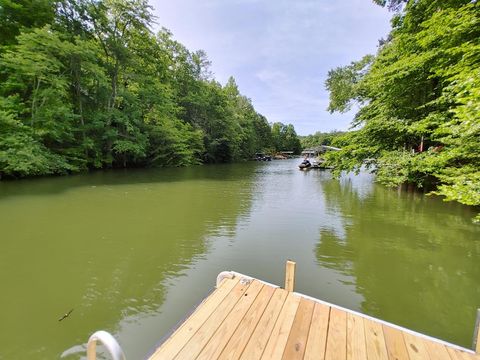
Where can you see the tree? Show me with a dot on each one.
(285, 138)
(343, 84)
(417, 100)
(86, 84)
(320, 138)
(22, 15)
(393, 5)
(37, 85)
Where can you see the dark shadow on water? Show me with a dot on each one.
(111, 257)
(114, 177)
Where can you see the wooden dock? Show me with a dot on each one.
(245, 318)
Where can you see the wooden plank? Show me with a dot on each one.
(297, 340)
(356, 345)
(225, 331)
(437, 351)
(461, 355)
(234, 348)
(375, 341)
(250, 320)
(395, 343)
(258, 341)
(416, 347)
(455, 354)
(279, 336)
(290, 275)
(175, 342)
(317, 336)
(193, 347)
(337, 335)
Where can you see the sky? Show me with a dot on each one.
(279, 51)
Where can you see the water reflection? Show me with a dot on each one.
(414, 258)
(107, 245)
(132, 252)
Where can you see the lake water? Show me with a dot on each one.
(131, 252)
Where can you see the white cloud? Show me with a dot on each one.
(279, 51)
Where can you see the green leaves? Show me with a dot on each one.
(86, 84)
(343, 84)
(285, 138)
(419, 120)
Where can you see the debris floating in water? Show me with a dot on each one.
(65, 315)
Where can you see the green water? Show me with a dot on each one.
(133, 251)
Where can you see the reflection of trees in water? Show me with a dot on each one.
(112, 244)
(415, 258)
(187, 216)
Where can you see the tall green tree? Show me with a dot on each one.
(285, 138)
(417, 100)
(86, 84)
(320, 138)
(22, 15)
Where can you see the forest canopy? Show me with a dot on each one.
(87, 84)
(419, 98)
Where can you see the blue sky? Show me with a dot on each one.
(279, 51)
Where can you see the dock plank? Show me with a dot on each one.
(416, 347)
(337, 336)
(437, 351)
(297, 340)
(375, 340)
(249, 319)
(317, 336)
(356, 343)
(259, 339)
(236, 344)
(196, 343)
(455, 355)
(220, 338)
(174, 343)
(461, 355)
(279, 336)
(395, 342)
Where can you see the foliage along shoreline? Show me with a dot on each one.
(86, 84)
(419, 98)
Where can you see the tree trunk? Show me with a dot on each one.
(36, 87)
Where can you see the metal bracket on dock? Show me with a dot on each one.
(108, 341)
(244, 279)
(476, 334)
(224, 275)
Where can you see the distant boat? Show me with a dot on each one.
(305, 165)
(315, 164)
(262, 157)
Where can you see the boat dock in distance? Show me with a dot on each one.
(246, 318)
